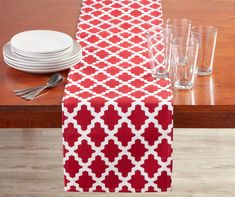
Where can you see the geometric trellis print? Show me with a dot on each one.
(117, 119)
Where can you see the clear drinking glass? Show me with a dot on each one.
(206, 35)
(179, 27)
(159, 40)
(183, 61)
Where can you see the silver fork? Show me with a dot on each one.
(33, 92)
(26, 90)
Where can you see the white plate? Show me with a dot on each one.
(45, 66)
(40, 66)
(40, 56)
(41, 41)
(29, 61)
(43, 70)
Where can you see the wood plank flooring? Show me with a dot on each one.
(31, 164)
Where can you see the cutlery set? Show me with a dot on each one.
(33, 92)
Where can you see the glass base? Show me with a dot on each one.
(203, 70)
(160, 74)
(183, 85)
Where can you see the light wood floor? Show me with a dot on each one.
(31, 164)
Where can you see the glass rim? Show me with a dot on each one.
(189, 22)
(204, 29)
(189, 44)
(158, 34)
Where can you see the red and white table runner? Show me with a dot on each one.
(117, 119)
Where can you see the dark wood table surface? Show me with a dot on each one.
(210, 104)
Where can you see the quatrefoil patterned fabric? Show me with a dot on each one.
(117, 119)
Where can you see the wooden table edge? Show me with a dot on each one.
(50, 116)
(204, 116)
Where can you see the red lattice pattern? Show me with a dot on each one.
(117, 119)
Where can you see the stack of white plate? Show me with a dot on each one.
(41, 51)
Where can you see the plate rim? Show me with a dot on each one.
(42, 71)
(16, 36)
(7, 52)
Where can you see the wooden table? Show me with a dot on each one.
(210, 104)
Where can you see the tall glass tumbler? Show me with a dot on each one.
(183, 61)
(159, 40)
(206, 35)
(179, 27)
